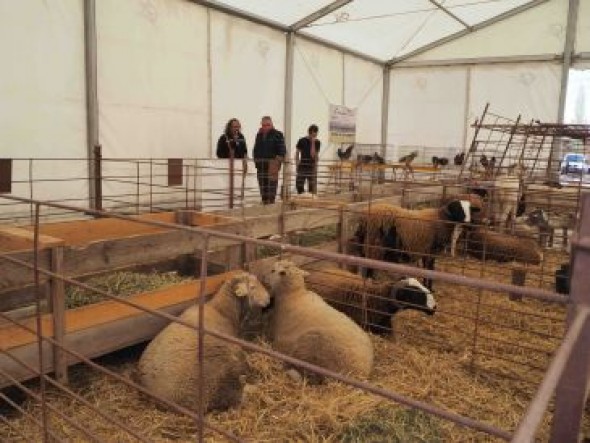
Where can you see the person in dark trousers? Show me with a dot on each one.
(269, 152)
(306, 158)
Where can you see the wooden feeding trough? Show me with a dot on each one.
(93, 330)
(86, 247)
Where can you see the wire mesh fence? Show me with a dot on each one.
(476, 346)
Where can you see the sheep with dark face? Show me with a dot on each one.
(370, 303)
(169, 365)
(394, 234)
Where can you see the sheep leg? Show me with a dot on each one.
(457, 230)
(428, 263)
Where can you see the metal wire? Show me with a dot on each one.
(31, 417)
(126, 381)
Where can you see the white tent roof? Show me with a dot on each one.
(385, 30)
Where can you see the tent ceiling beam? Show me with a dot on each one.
(328, 9)
(450, 14)
(217, 6)
(557, 58)
(457, 35)
(337, 47)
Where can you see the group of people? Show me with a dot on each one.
(269, 154)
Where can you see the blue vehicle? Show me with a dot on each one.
(574, 163)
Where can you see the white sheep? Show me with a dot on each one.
(370, 303)
(169, 365)
(506, 194)
(534, 225)
(304, 326)
(394, 234)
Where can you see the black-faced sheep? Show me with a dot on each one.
(304, 326)
(169, 365)
(394, 234)
(370, 303)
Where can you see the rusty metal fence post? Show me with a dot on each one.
(98, 178)
(572, 390)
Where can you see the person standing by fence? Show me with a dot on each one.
(269, 152)
(306, 158)
(232, 145)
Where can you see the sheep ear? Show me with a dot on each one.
(240, 284)
(241, 289)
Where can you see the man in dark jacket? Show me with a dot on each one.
(269, 152)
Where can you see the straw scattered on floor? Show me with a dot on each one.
(488, 376)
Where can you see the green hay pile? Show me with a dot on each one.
(121, 284)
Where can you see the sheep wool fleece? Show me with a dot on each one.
(169, 365)
(307, 328)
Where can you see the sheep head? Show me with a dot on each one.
(409, 293)
(285, 275)
(460, 211)
(247, 285)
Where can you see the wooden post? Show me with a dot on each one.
(58, 309)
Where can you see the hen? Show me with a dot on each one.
(345, 154)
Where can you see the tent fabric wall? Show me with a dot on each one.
(317, 83)
(363, 88)
(42, 98)
(583, 27)
(427, 108)
(577, 104)
(324, 76)
(531, 90)
(434, 107)
(537, 31)
(171, 73)
(152, 92)
(248, 76)
(152, 78)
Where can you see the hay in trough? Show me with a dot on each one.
(122, 284)
(487, 376)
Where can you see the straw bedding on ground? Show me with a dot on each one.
(489, 376)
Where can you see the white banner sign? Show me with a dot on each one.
(342, 124)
